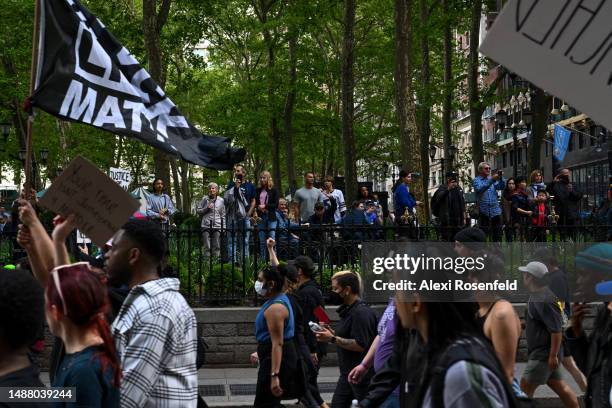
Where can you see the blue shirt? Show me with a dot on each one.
(155, 203)
(486, 194)
(94, 386)
(403, 199)
(262, 334)
(247, 189)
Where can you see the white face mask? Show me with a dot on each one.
(259, 289)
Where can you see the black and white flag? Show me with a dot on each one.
(85, 75)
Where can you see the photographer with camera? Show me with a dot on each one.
(566, 202)
(448, 205)
(487, 204)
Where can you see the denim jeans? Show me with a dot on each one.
(235, 244)
(267, 229)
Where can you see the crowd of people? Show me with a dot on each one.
(125, 336)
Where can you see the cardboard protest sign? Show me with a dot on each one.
(122, 177)
(100, 205)
(562, 46)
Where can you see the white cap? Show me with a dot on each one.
(537, 269)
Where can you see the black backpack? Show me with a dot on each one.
(473, 350)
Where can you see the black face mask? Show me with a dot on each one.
(334, 299)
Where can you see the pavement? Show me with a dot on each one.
(235, 387)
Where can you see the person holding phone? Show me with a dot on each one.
(486, 186)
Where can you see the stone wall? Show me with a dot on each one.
(231, 340)
(229, 333)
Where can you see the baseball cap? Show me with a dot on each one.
(303, 262)
(537, 269)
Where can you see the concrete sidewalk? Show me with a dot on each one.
(235, 387)
(238, 386)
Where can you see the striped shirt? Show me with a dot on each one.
(155, 335)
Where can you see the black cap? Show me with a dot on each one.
(452, 175)
(471, 234)
(304, 263)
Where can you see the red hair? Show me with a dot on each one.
(86, 306)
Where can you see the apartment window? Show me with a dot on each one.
(570, 145)
(511, 157)
(580, 141)
(546, 149)
(519, 155)
(505, 159)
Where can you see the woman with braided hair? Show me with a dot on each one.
(76, 304)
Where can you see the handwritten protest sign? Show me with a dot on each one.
(562, 46)
(122, 177)
(100, 205)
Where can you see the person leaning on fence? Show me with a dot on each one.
(489, 211)
(212, 210)
(236, 208)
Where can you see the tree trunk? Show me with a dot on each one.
(447, 102)
(425, 102)
(410, 150)
(288, 113)
(476, 107)
(153, 22)
(348, 108)
(404, 102)
(539, 128)
(262, 7)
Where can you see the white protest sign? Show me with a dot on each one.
(121, 176)
(100, 205)
(81, 238)
(562, 46)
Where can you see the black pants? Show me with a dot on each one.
(313, 395)
(263, 395)
(492, 226)
(345, 393)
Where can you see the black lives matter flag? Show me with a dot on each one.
(85, 75)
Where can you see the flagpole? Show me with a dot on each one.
(33, 74)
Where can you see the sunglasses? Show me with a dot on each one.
(56, 279)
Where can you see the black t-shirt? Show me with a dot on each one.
(26, 377)
(542, 318)
(357, 322)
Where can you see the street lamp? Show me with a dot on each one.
(22, 155)
(452, 151)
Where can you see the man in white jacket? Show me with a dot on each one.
(212, 210)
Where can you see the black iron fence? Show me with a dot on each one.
(224, 273)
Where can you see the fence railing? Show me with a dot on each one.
(220, 265)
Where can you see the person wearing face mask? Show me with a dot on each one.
(353, 336)
(305, 297)
(274, 331)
